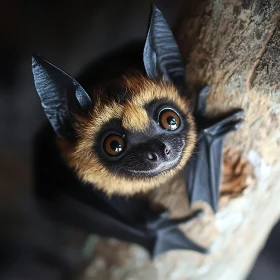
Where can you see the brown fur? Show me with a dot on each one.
(89, 168)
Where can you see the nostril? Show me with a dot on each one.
(152, 156)
(167, 151)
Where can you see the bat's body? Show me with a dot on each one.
(122, 131)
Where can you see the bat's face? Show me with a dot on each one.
(144, 153)
(135, 141)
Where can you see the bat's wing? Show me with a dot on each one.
(203, 171)
(170, 237)
(158, 237)
(94, 219)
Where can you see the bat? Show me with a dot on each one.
(107, 142)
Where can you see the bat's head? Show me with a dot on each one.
(130, 137)
(134, 141)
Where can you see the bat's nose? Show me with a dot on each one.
(159, 151)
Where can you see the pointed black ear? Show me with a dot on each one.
(161, 52)
(60, 95)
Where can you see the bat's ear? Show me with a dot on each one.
(60, 94)
(161, 52)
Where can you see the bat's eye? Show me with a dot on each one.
(169, 120)
(114, 145)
